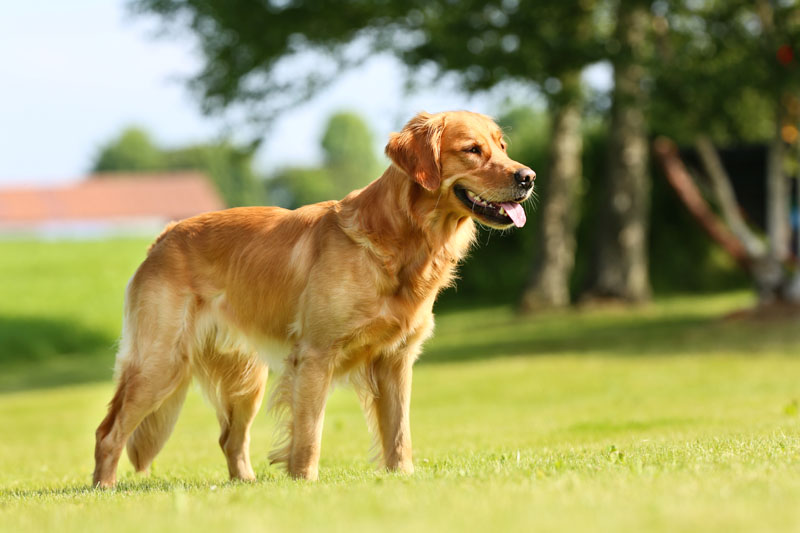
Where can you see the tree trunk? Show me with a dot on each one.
(548, 286)
(621, 262)
(771, 278)
(726, 197)
(778, 200)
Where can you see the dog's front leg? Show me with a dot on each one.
(312, 379)
(393, 378)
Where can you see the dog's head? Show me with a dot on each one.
(461, 157)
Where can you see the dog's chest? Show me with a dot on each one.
(422, 279)
(407, 312)
(390, 328)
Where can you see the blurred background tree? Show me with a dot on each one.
(229, 166)
(133, 150)
(620, 261)
(349, 163)
(730, 66)
(349, 151)
(678, 68)
(244, 46)
(293, 187)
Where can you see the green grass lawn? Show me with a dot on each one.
(662, 419)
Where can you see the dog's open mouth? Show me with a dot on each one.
(500, 213)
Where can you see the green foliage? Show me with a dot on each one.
(682, 257)
(244, 45)
(229, 166)
(133, 150)
(349, 153)
(505, 41)
(707, 66)
(482, 43)
(526, 129)
(296, 186)
(719, 68)
(349, 164)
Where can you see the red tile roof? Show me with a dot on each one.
(109, 197)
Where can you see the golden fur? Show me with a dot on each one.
(346, 287)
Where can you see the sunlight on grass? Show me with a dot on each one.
(563, 443)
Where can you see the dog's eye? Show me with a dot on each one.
(474, 150)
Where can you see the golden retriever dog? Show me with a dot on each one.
(340, 290)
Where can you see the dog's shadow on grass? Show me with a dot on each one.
(32, 339)
(37, 352)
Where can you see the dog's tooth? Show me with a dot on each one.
(502, 211)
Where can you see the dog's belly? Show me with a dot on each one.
(387, 327)
(215, 329)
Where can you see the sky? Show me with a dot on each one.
(73, 74)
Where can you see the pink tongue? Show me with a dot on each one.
(516, 212)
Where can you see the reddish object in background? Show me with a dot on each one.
(785, 54)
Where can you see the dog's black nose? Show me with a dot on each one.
(525, 176)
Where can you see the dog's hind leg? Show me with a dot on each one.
(153, 369)
(153, 432)
(142, 390)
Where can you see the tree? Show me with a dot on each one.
(349, 153)
(736, 78)
(349, 163)
(621, 269)
(245, 46)
(293, 187)
(133, 150)
(230, 167)
(554, 258)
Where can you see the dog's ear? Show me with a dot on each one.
(417, 149)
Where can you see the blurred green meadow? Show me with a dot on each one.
(664, 418)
